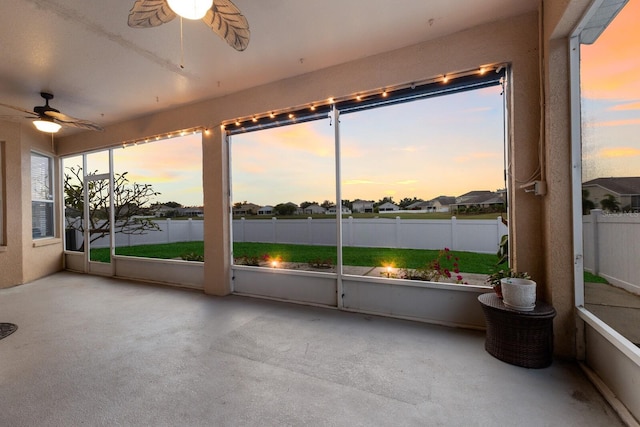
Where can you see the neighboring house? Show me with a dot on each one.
(314, 209)
(266, 210)
(419, 205)
(439, 204)
(246, 209)
(362, 206)
(191, 212)
(483, 199)
(333, 210)
(626, 190)
(442, 203)
(162, 211)
(388, 207)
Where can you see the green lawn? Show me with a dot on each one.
(469, 262)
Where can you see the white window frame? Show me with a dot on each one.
(50, 198)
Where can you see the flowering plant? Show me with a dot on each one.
(444, 266)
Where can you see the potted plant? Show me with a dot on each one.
(495, 279)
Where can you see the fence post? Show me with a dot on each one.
(168, 220)
(397, 232)
(273, 231)
(596, 214)
(350, 234)
(242, 222)
(454, 233)
(309, 231)
(189, 230)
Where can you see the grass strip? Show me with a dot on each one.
(469, 262)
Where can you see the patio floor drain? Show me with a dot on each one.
(7, 329)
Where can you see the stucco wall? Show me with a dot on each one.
(11, 252)
(20, 260)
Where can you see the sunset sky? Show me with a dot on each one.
(610, 81)
(446, 145)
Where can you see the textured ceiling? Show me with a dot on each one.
(101, 70)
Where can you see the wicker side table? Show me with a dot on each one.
(521, 338)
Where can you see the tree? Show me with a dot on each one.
(285, 209)
(587, 204)
(610, 203)
(171, 204)
(131, 203)
(383, 201)
(404, 203)
(305, 205)
(326, 204)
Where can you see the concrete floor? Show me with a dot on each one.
(104, 352)
(617, 307)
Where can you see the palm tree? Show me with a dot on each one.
(609, 203)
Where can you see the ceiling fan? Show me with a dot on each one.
(48, 119)
(222, 16)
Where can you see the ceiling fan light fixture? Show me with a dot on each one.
(190, 9)
(48, 126)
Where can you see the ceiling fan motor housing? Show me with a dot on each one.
(42, 109)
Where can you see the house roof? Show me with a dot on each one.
(102, 70)
(388, 205)
(444, 200)
(480, 198)
(623, 186)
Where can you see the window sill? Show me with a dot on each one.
(46, 242)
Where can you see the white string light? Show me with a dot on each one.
(183, 132)
(359, 96)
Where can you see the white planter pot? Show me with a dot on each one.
(519, 294)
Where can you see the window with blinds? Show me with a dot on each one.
(42, 222)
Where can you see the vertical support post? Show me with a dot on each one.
(87, 224)
(454, 233)
(397, 231)
(576, 178)
(273, 230)
(335, 115)
(596, 214)
(112, 217)
(168, 230)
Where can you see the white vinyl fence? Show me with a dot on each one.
(461, 235)
(170, 231)
(611, 245)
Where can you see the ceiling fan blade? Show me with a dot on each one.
(73, 122)
(225, 19)
(19, 109)
(150, 13)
